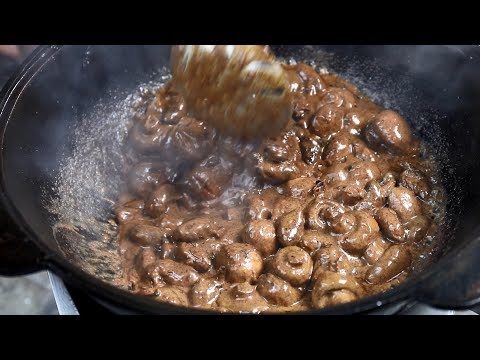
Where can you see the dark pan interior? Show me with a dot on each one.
(62, 145)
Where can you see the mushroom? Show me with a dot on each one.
(159, 199)
(277, 291)
(242, 298)
(404, 202)
(393, 261)
(332, 288)
(204, 293)
(363, 233)
(290, 227)
(261, 234)
(390, 225)
(389, 131)
(174, 273)
(293, 264)
(242, 262)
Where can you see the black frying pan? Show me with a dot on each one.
(62, 127)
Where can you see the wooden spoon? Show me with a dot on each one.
(242, 90)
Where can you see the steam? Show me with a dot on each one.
(90, 181)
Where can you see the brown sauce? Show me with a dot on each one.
(338, 207)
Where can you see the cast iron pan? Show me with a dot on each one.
(63, 121)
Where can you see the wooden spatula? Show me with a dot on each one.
(242, 90)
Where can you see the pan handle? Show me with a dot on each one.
(18, 255)
(457, 285)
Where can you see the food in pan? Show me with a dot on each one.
(341, 205)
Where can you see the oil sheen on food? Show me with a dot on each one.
(342, 205)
